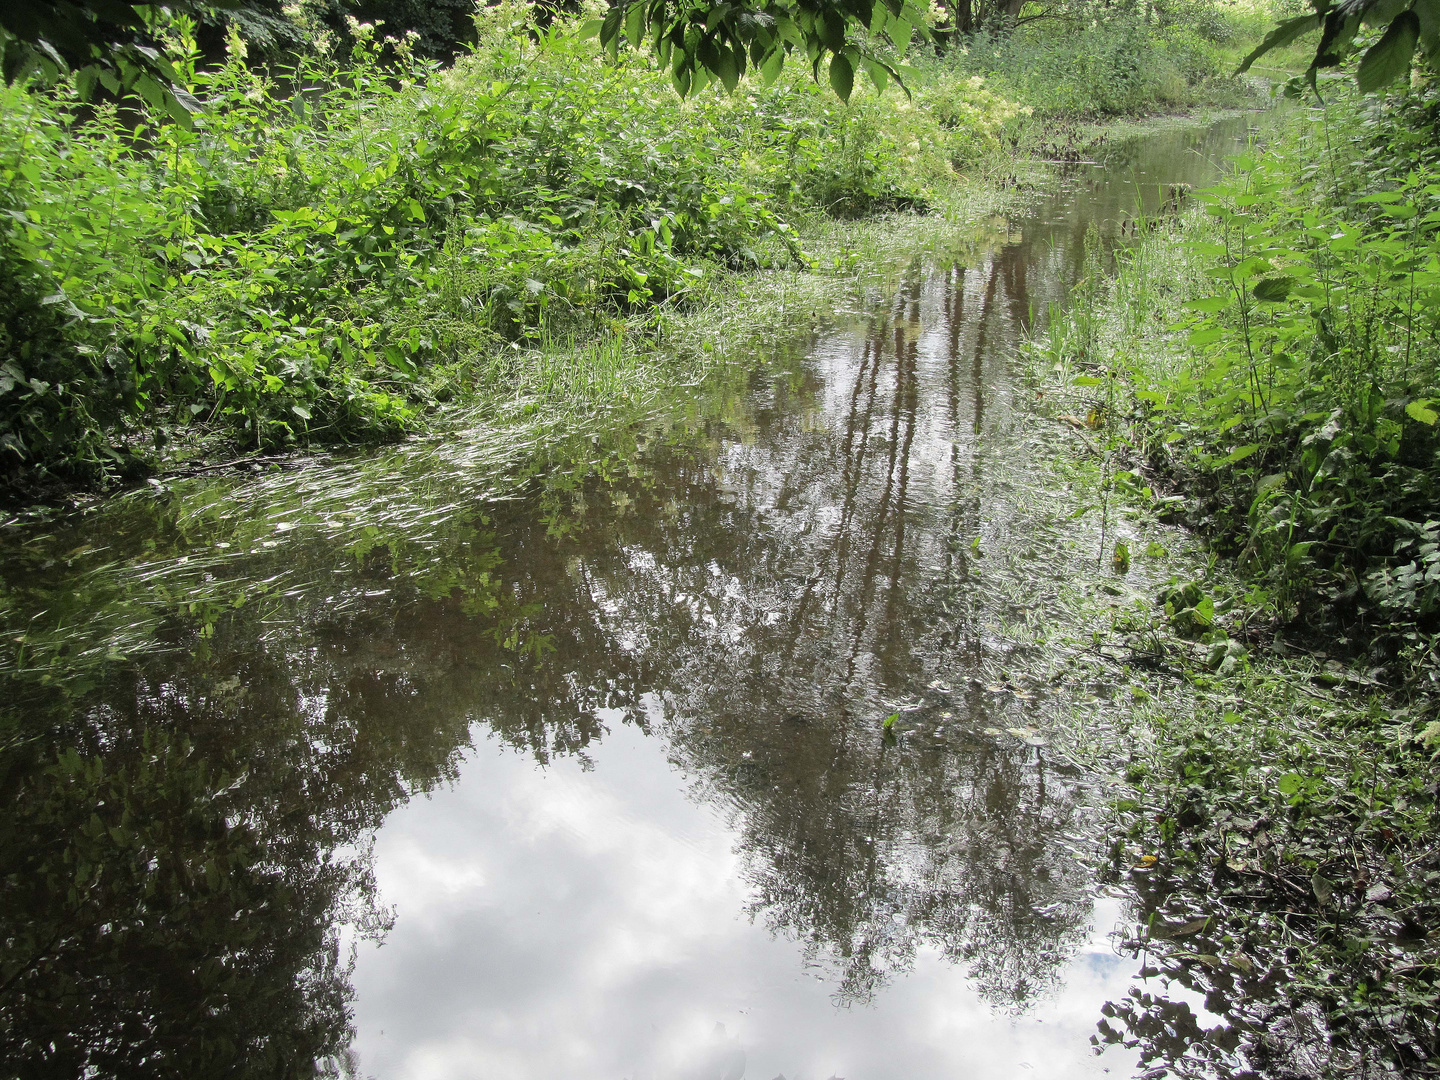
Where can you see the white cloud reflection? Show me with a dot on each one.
(568, 923)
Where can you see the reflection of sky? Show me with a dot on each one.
(574, 922)
(590, 922)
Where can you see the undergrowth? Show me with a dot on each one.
(341, 247)
(329, 253)
(1121, 65)
(1264, 368)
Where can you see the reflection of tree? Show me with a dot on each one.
(712, 573)
(867, 852)
(771, 576)
(148, 934)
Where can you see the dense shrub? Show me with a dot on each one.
(300, 264)
(331, 248)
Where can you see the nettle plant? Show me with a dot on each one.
(1312, 401)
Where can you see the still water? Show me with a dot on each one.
(570, 759)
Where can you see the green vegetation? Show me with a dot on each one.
(1265, 368)
(329, 264)
(355, 244)
(1124, 66)
(1275, 359)
(1411, 36)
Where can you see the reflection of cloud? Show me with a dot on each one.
(600, 934)
(781, 571)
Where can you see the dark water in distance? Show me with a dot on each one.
(590, 734)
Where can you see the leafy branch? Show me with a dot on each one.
(701, 44)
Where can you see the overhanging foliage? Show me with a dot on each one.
(721, 41)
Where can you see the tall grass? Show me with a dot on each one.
(1086, 63)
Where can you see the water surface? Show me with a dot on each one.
(475, 759)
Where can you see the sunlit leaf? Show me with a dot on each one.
(1422, 411)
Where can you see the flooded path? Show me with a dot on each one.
(593, 736)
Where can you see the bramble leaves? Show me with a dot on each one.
(1422, 411)
(1273, 290)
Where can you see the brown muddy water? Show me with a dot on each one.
(570, 758)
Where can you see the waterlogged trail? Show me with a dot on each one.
(593, 736)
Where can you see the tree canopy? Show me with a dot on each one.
(718, 38)
(111, 42)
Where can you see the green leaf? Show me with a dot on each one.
(635, 24)
(1379, 12)
(842, 76)
(1428, 12)
(1390, 57)
(900, 32)
(1282, 35)
(727, 67)
(878, 75)
(1272, 290)
(1420, 409)
(830, 28)
(879, 16)
(610, 30)
(889, 721)
(1240, 453)
(771, 65)
(1205, 611)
